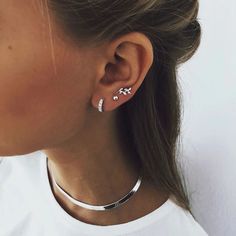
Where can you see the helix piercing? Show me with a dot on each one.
(123, 91)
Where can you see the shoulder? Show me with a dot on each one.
(181, 222)
(169, 219)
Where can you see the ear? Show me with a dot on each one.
(124, 64)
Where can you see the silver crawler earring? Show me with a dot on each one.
(123, 91)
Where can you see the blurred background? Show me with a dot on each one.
(208, 84)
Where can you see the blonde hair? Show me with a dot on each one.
(149, 123)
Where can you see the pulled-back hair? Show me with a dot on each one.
(149, 123)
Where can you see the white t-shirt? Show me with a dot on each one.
(29, 208)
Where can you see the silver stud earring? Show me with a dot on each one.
(115, 98)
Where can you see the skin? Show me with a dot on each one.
(49, 93)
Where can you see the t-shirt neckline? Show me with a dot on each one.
(96, 230)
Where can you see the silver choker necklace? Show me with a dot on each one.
(100, 207)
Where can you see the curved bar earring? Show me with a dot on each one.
(100, 105)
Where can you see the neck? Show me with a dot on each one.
(98, 179)
(93, 169)
(97, 170)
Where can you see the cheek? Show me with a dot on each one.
(37, 107)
